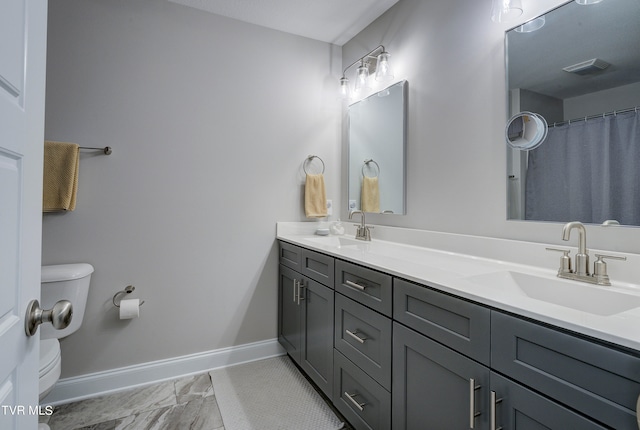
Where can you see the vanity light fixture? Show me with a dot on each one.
(367, 65)
(587, 2)
(505, 10)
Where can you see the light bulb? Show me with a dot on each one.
(362, 78)
(383, 69)
(344, 88)
(505, 10)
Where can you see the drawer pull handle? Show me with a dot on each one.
(472, 403)
(354, 334)
(492, 411)
(357, 404)
(356, 286)
(295, 290)
(300, 287)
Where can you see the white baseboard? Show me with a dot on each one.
(95, 384)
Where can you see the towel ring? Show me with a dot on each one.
(308, 160)
(366, 163)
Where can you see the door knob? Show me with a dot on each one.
(59, 316)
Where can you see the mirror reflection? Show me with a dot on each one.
(579, 68)
(377, 135)
(526, 131)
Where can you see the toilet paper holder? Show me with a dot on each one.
(117, 297)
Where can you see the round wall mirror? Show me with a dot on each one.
(526, 131)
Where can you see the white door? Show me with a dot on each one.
(23, 30)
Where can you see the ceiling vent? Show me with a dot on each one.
(587, 67)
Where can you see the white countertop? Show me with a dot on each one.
(453, 263)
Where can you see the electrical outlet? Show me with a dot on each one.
(329, 207)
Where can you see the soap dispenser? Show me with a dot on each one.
(337, 228)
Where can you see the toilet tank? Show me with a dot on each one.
(65, 282)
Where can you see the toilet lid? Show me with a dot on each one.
(49, 355)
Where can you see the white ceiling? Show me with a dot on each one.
(332, 21)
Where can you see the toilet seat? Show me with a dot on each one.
(49, 366)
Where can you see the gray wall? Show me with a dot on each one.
(210, 120)
(207, 157)
(452, 54)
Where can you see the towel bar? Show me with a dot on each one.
(107, 149)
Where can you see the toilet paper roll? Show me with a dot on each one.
(129, 309)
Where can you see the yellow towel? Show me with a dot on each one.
(60, 176)
(370, 197)
(315, 199)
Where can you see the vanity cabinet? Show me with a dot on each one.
(394, 354)
(305, 315)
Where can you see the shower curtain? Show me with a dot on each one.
(587, 171)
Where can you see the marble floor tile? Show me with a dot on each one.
(108, 425)
(198, 414)
(192, 388)
(113, 406)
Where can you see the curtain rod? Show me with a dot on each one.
(602, 115)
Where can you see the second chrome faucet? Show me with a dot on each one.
(364, 231)
(581, 272)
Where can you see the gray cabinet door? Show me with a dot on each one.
(432, 385)
(595, 379)
(518, 408)
(316, 328)
(289, 312)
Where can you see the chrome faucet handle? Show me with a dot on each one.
(600, 268)
(565, 260)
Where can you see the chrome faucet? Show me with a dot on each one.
(582, 258)
(581, 273)
(363, 232)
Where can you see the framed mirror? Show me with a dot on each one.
(578, 66)
(377, 141)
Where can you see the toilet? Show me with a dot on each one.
(60, 282)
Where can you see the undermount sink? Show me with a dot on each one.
(335, 241)
(580, 296)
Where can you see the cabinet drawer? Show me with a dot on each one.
(290, 255)
(601, 382)
(520, 407)
(369, 287)
(319, 267)
(461, 325)
(363, 402)
(364, 337)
